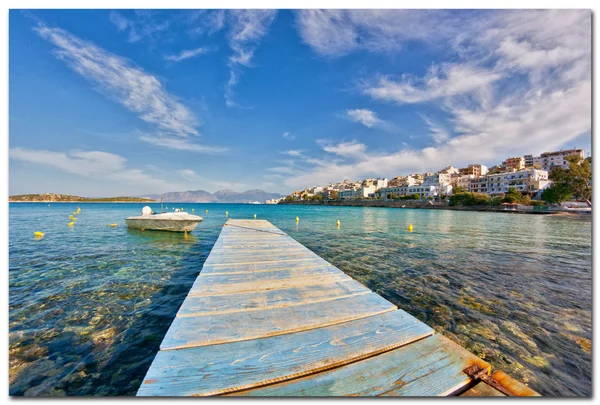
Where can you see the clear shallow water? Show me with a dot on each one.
(90, 305)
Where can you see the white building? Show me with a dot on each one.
(437, 179)
(422, 190)
(463, 181)
(549, 159)
(358, 192)
(526, 181)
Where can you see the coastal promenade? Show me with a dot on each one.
(268, 317)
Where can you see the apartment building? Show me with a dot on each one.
(474, 170)
(547, 160)
(463, 181)
(528, 159)
(526, 181)
(437, 179)
(422, 190)
(514, 164)
(478, 185)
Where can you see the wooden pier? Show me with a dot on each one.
(268, 317)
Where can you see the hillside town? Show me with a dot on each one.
(527, 174)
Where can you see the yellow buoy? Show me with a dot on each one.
(185, 235)
(74, 212)
(38, 234)
(254, 216)
(72, 218)
(192, 210)
(226, 213)
(71, 224)
(410, 228)
(297, 219)
(113, 225)
(207, 211)
(338, 223)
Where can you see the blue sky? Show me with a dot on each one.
(124, 102)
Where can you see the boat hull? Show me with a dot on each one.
(170, 225)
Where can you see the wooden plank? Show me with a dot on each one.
(216, 278)
(232, 327)
(254, 300)
(257, 267)
(241, 365)
(429, 367)
(212, 289)
(249, 259)
(302, 258)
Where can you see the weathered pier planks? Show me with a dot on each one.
(268, 317)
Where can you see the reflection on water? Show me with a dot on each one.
(89, 305)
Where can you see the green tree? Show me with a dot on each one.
(494, 201)
(393, 196)
(334, 195)
(318, 197)
(576, 181)
(556, 194)
(512, 196)
(458, 190)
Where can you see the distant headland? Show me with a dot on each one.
(50, 197)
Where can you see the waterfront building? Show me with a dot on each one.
(547, 160)
(274, 200)
(514, 164)
(526, 181)
(474, 170)
(422, 190)
(478, 185)
(357, 192)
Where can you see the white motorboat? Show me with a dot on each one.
(178, 221)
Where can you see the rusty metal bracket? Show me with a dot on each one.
(478, 373)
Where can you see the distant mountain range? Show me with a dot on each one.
(221, 196)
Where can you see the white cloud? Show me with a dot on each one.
(335, 33)
(440, 81)
(130, 86)
(188, 174)
(366, 117)
(144, 25)
(293, 153)
(347, 149)
(438, 132)
(246, 29)
(186, 54)
(90, 164)
(123, 82)
(179, 144)
(289, 136)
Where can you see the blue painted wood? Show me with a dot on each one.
(253, 300)
(429, 367)
(211, 370)
(233, 327)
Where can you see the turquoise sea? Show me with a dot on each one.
(89, 305)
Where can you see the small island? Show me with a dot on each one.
(50, 197)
